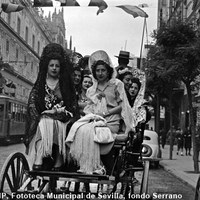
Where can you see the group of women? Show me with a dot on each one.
(64, 116)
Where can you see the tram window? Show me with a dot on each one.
(1, 111)
(9, 107)
(21, 114)
(12, 111)
(24, 113)
(18, 112)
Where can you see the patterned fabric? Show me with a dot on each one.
(51, 128)
(138, 109)
(51, 99)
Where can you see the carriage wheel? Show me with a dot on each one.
(13, 174)
(197, 192)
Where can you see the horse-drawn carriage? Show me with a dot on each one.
(17, 181)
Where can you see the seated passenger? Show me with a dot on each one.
(82, 100)
(125, 75)
(134, 83)
(106, 101)
(51, 105)
(77, 77)
(140, 113)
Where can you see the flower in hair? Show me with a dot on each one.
(123, 71)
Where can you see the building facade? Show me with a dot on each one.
(23, 36)
(185, 10)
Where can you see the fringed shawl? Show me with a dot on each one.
(138, 110)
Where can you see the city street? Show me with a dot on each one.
(136, 65)
(162, 184)
(5, 151)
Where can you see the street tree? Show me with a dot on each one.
(161, 79)
(180, 45)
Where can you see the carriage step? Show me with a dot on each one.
(133, 154)
(135, 169)
(53, 174)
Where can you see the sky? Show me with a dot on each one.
(112, 31)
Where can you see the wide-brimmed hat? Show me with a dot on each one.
(99, 55)
(124, 55)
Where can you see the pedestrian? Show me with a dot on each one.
(171, 139)
(51, 105)
(107, 100)
(123, 60)
(188, 141)
(180, 141)
(163, 137)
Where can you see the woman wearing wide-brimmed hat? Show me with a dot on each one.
(106, 101)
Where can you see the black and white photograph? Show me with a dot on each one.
(100, 99)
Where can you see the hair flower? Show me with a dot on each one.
(123, 71)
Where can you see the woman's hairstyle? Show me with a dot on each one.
(77, 68)
(121, 73)
(55, 51)
(78, 87)
(87, 76)
(101, 62)
(137, 81)
(83, 62)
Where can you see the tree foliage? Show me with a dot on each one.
(180, 43)
(175, 57)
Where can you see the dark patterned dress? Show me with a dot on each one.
(51, 128)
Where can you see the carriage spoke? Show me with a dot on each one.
(11, 186)
(18, 170)
(22, 176)
(13, 173)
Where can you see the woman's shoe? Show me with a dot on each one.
(101, 171)
(80, 171)
(57, 169)
(37, 167)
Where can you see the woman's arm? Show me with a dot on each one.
(32, 110)
(115, 110)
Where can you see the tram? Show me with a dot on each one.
(12, 119)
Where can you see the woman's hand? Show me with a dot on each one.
(52, 111)
(100, 95)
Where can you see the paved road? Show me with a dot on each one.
(5, 151)
(163, 183)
